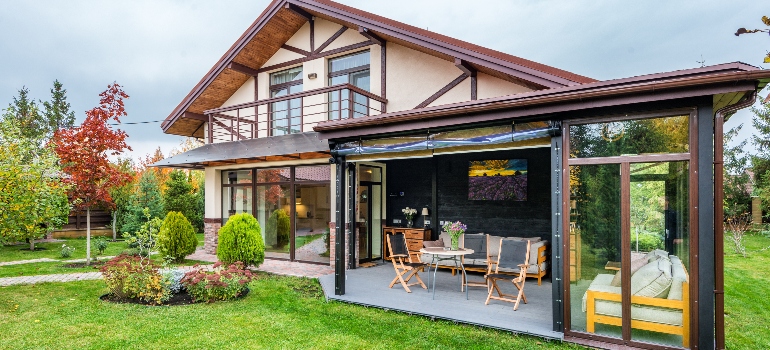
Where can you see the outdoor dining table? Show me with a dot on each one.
(442, 254)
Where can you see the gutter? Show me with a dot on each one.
(719, 248)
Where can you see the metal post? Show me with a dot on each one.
(211, 128)
(557, 271)
(705, 212)
(350, 104)
(352, 258)
(339, 224)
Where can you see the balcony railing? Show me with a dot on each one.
(289, 114)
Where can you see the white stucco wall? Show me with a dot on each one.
(301, 39)
(488, 86)
(213, 194)
(459, 93)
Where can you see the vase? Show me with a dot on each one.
(456, 242)
(409, 223)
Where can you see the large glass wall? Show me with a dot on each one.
(629, 230)
(291, 204)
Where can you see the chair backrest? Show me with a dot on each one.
(513, 253)
(478, 243)
(397, 244)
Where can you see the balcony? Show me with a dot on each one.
(291, 114)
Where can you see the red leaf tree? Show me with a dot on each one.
(84, 151)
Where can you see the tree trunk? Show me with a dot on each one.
(88, 236)
(114, 224)
(31, 244)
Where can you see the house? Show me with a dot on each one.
(340, 118)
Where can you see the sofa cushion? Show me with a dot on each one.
(433, 244)
(652, 280)
(679, 276)
(477, 242)
(637, 261)
(657, 254)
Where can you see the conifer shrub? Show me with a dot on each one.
(176, 237)
(240, 239)
(279, 226)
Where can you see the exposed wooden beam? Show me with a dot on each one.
(196, 116)
(315, 56)
(296, 49)
(383, 70)
(465, 67)
(330, 40)
(371, 36)
(312, 34)
(242, 69)
(443, 90)
(300, 11)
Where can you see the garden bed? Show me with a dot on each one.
(182, 298)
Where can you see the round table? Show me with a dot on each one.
(441, 254)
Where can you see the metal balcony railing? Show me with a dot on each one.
(289, 114)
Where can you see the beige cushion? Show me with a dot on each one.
(679, 276)
(652, 280)
(616, 281)
(433, 244)
(637, 261)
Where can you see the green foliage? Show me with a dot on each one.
(222, 283)
(737, 197)
(200, 202)
(176, 237)
(179, 195)
(122, 196)
(146, 238)
(33, 199)
(145, 195)
(648, 241)
(128, 277)
(25, 113)
(101, 245)
(66, 251)
(279, 226)
(760, 162)
(57, 112)
(240, 239)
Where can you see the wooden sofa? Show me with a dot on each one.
(668, 312)
(486, 254)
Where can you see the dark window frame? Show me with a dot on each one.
(281, 86)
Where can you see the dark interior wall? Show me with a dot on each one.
(530, 218)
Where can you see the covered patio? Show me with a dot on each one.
(369, 287)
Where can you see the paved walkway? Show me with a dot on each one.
(280, 267)
(32, 261)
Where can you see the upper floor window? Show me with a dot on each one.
(353, 69)
(286, 116)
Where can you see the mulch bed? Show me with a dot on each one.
(181, 298)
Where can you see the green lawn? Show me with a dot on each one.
(747, 306)
(279, 313)
(53, 250)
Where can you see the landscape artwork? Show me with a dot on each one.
(497, 180)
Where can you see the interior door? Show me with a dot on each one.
(370, 208)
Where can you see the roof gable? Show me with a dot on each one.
(283, 18)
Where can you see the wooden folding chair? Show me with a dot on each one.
(398, 254)
(510, 252)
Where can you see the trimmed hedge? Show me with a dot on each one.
(176, 237)
(240, 239)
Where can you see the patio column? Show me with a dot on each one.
(557, 247)
(339, 223)
(705, 211)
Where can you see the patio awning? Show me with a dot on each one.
(286, 147)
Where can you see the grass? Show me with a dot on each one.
(299, 241)
(747, 307)
(53, 250)
(279, 313)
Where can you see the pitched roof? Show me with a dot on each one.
(277, 24)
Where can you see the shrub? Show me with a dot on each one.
(222, 283)
(173, 280)
(66, 251)
(240, 239)
(648, 241)
(176, 237)
(131, 277)
(101, 245)
(145, 240)
(279, 226)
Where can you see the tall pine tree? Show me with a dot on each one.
(57, 112)
(26, 114)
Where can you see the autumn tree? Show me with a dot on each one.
(33, 198)
(84, 152)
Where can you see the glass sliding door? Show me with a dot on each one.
(273, 192)
(353, 69)
(312, 208)
(629, 231)
(237, 193)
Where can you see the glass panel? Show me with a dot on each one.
(630, 137)
(594, 246)
(286, 116)
(313, 173)
(350, 61)
(273, 175)
(369, 173)
(273, 214)
(236, 200)
(660, 238)
(285, 76)
(362, 223)
(335, 100)
(236, 177)
(376, 222)
(313, 214)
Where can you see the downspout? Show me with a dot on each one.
(719, 278)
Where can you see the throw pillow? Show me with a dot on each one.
(638, 264)
(616, 280)
(433, 244)
(652, 280)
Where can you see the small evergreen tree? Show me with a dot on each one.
(279, 226)
(176, 237)
(240, 239)
(26, 114)
(146, 195)
(179, 196)
(57, 112)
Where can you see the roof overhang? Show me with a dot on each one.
(734, 78)
(278, 148)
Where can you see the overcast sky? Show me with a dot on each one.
(158, 50)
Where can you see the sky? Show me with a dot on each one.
(158, 50)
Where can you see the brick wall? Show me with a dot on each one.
(332, 247)
(210, 235)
